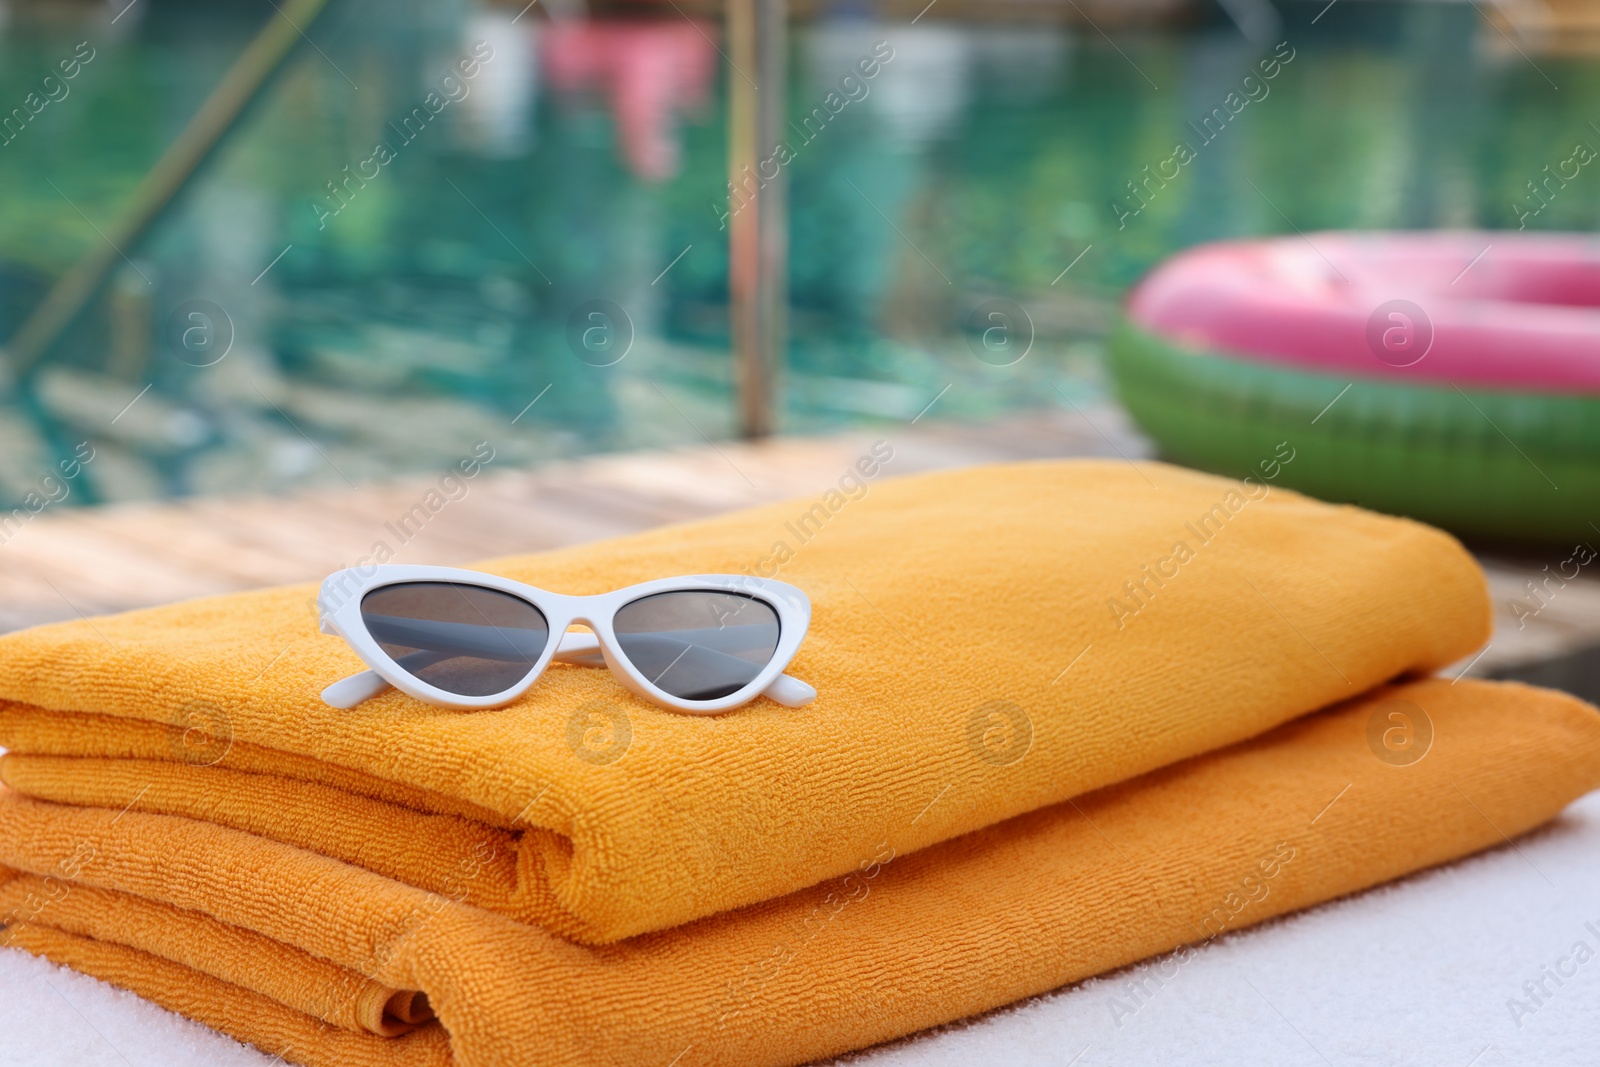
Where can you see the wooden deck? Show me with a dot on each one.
(71, 562)
(87, 561)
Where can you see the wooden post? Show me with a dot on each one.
(758, 210)
(242, 84)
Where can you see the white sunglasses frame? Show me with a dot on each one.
(339, 609)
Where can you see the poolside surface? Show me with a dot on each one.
(69, 562)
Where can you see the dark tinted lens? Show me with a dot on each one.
(463, 639)
(698, 645)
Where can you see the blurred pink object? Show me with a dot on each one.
(1498, 309)
(649, 70)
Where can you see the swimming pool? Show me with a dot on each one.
(393, 260)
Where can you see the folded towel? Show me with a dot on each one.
(1313, 810)
(1090, 621)
(287, 975)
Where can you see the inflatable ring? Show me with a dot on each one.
(1452, 377)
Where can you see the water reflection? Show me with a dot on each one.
(386, 314)
(649, 73)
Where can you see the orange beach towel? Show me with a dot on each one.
(1003, 638)
(1310, 811)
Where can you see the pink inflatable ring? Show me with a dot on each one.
(1450, 376)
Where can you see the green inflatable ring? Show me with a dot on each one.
(1518, 466)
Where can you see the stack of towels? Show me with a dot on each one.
(1071, 715)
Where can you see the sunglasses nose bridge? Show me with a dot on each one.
(595, 622)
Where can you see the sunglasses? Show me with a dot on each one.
(697, 644)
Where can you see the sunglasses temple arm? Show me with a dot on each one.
(348, 692)
(790, 692)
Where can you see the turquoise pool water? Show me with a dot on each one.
(402, 256)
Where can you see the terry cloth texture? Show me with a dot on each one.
(1091, 621)
(1305, 813)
